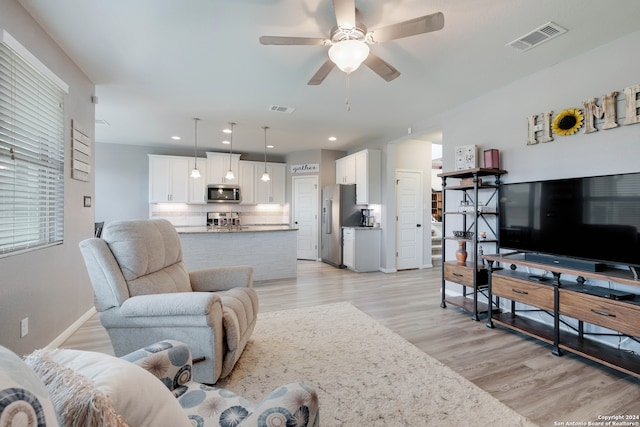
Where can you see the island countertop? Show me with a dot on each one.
(241, 229)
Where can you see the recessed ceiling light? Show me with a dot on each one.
(332, 138)
(226, 142)
(175, 138)
(270, 146)
(226, 130)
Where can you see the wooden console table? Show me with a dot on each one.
(571, 299)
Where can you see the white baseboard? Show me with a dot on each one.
(388, 270)
(60, 339)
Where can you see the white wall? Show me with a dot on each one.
(50, 286)
(122, 182)
(499, 120)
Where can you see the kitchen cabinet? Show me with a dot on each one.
(368, 179)
(254, 190)
(197, 186)
(168, 179)
(346, 170)
(363, 170)
(361, 248)
(272, 191)
(246, 180)
(218, 165)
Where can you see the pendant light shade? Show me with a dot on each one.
(265, 175)
(195, 173)
(348, 55)
(230, 175)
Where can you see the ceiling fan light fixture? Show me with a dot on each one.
(348, 55)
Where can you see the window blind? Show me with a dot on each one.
(31, 153)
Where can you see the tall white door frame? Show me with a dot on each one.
(305, 196)
(409, 219)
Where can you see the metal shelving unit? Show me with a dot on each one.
(472, 274)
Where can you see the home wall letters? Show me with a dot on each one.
(540, 129)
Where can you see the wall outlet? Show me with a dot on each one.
(24, 327)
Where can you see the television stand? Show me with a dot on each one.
(616, 311)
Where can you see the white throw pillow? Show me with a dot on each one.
(23, 397)
(135, 394)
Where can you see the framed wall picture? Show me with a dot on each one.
(465, 157)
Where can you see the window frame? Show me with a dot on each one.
(32, 151)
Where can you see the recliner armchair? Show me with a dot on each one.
(144, 294)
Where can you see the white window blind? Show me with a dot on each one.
(31, 152)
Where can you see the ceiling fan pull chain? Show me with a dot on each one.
(346, 101)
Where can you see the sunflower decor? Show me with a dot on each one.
(567, 122)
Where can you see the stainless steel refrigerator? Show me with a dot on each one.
(338, 209)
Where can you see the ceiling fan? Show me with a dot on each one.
(349, 41)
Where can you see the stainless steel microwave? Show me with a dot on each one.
(223, 193)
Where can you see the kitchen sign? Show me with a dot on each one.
(306, 168)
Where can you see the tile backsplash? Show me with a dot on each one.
(196, 215)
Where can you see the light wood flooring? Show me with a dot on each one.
(517, 370)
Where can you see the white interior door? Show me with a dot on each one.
(305, 215)
(409, 220)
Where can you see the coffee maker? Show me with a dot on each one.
(367, 218)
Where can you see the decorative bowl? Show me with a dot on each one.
(463, 234)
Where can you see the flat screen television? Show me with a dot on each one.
(592, 218)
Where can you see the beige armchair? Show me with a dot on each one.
(144, 294)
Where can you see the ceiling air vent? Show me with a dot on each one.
(281, 109)
(540, 35)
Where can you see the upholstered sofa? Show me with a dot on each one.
(145, 294)
(149, 387)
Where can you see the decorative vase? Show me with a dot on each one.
(461, 253)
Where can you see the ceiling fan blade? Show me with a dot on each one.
(322, 73)
(278, 40)
(424, 24)
(345, 13)
(381, 67)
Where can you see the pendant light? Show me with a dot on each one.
(195, 173)
(265, 175)
(230, 175)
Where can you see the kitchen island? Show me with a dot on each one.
(270, 250)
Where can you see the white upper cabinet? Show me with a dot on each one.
(198, 186)
(247, 181)
(363, 170)
(346, 170)
(168, 179)
(256, 191)
(272, 191)
(368, 180)
(218, 165)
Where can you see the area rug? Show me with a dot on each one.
(364, 373)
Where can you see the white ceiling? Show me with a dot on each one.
(157, 64)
